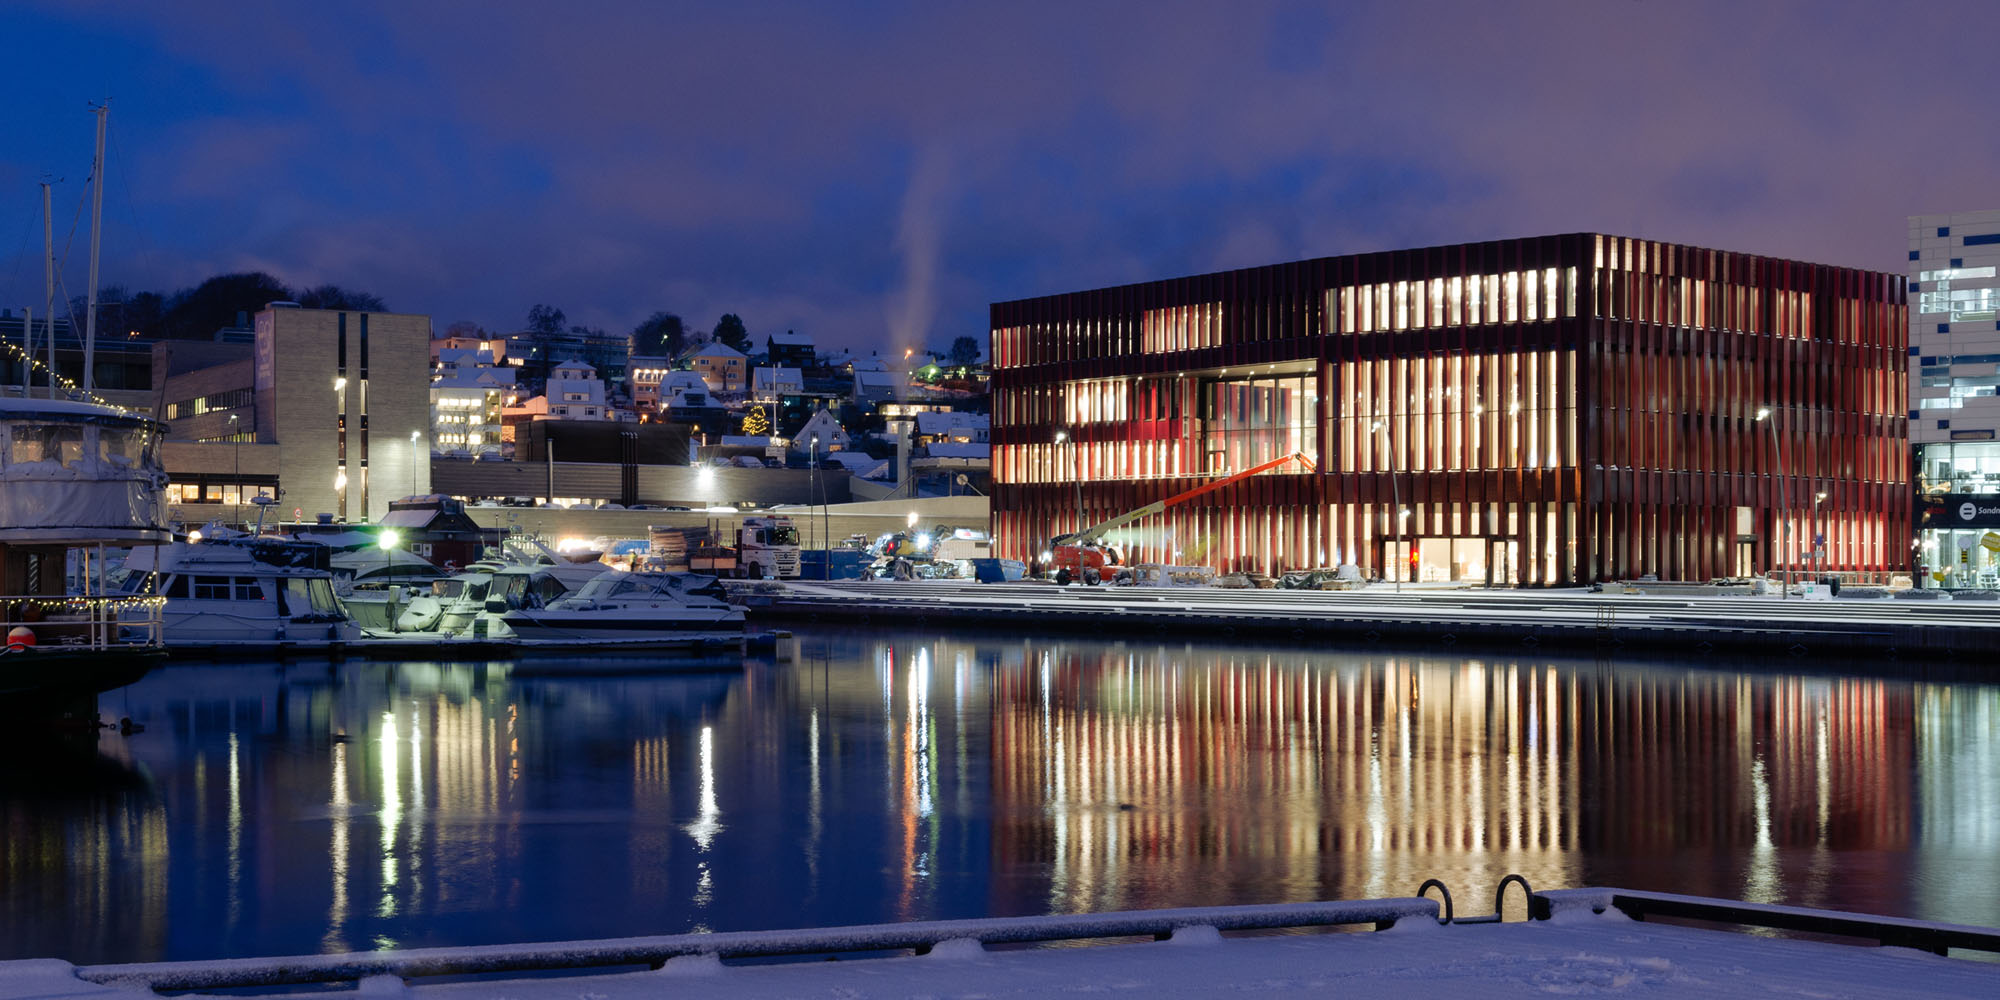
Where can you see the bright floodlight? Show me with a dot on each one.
(1763, 411)
(388, 538)
(194, 536)
(924, 540)
(1062, 436)
(913, 519)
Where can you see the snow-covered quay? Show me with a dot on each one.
(1874, 630)
(1585, 942)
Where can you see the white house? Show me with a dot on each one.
(468, 393)
(574, 392)
(823, 426)
(768, 384)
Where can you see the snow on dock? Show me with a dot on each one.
(1553, 619)
(1582, 942)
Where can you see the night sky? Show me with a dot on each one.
(876, 174)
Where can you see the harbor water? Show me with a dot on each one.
(284, 808)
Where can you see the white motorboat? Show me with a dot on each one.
(242, 593)
(665, 608)
(471, 604)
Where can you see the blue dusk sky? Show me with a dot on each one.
(876, 174)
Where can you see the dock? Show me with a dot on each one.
(1578, 941)
(1912, 631)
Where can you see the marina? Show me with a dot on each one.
(893, 775)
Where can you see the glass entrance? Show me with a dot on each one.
(1472, 560)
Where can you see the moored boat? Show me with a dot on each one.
(668, 609)
(76, 479)
(243, 593)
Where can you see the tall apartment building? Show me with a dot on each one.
(346, 396)
(1954, 410)
(1544, 411)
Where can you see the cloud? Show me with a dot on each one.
(878, 172)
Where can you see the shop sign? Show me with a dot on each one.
(1960, 510)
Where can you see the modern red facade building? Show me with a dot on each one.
(1545, 411)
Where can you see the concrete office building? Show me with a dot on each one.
(1546, 411)
(346, 397)
(1954, 410)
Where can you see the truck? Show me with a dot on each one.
(767, 548)
(1083, 556)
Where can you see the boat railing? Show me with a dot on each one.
(83, 624)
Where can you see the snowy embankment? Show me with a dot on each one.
(1879, 630)
(1577, 950)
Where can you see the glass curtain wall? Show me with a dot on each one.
(1256, 420)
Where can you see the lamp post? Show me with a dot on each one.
(825, 543)
(1396, 494)
(1784, 504)
(237, 481)
(1819, 533)
(1075, 475)
(387, 540)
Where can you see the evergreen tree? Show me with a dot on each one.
(755, 424)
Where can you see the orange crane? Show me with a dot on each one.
(1079, 556)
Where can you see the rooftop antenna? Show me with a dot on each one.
(102, 111)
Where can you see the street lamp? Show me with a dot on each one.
(1819, 534)
(1395, 494)
(825, 543)
(1076, 475)
(387, 540)
(1784, 503)
(238, 480)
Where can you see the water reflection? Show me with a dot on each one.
(272, 810)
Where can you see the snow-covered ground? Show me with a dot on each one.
(1578, 953)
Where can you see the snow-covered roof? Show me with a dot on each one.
(713, 349)
(790, 339)
(859, 463)
(944, 422)
(955, 449)
(769, 379)
(868, 378)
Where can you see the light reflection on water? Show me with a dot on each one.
(273, 810)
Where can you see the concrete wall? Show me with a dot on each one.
(815, 530)
(692, 486)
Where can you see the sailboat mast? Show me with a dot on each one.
(49, 294)
(102, 111)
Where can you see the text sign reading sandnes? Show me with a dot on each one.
(1961, 510)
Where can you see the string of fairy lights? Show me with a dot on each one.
(19, 354)
(115, 603)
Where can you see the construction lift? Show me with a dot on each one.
(1083, 556)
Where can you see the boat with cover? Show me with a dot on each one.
(523, 573)
(75, 479)
(668, 609)
(240, 592)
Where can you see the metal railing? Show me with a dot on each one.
(1925, 935)
(919, 937)
(83, 624)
